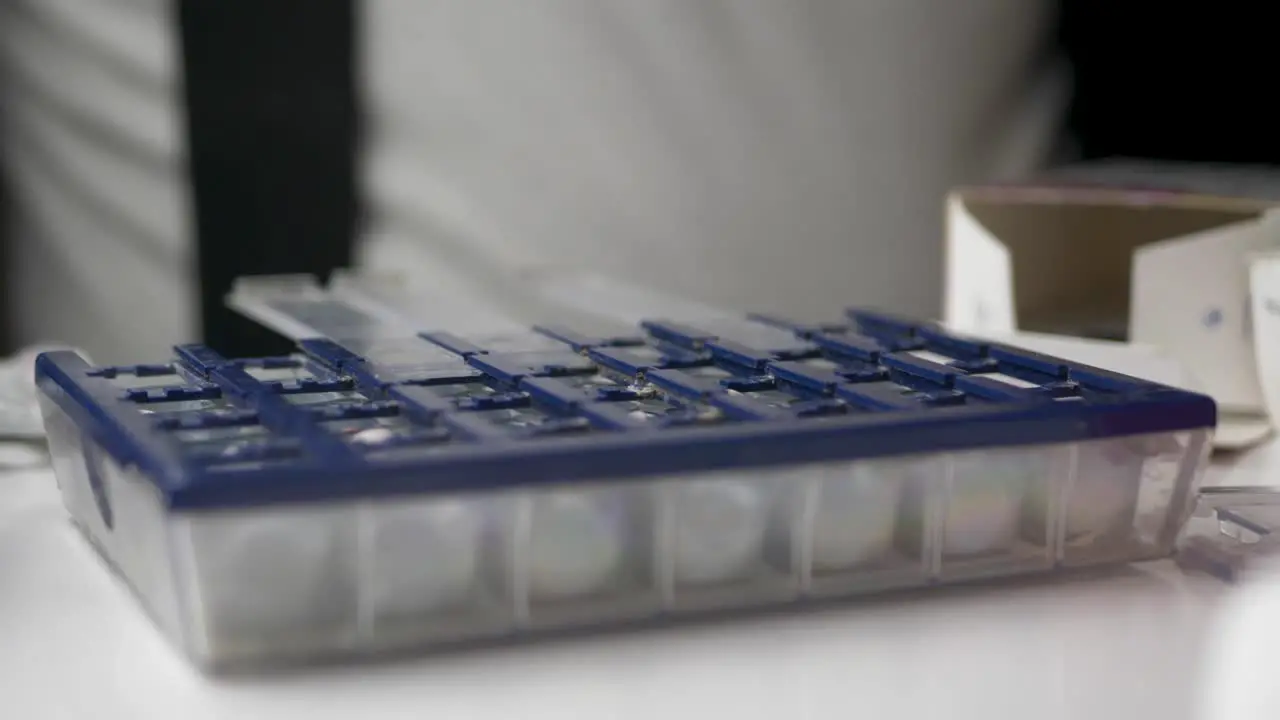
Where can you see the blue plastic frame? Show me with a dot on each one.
(859, 393)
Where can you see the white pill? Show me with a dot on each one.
(271, 573)
(986, 504)
(720, 530)
(855, 517)
(575, 546)
(425, 557)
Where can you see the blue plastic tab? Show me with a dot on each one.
(963, 348)
(638, 360)
(818, 378)
(879, 323)
(453, 343)
(892, 396)
(919, 367)
(329, 353)
(803, 330)
(200, 358)
(976, 365)
(579, 341)
(512, 368)
(855, 347)
(171, 394)
(678, 334)
(1033, 361)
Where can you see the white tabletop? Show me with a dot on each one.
(1131, 643)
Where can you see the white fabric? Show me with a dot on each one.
(788, 156)
(102, 257)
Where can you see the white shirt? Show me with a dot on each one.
(781, 156)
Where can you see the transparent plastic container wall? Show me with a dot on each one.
(383, 491)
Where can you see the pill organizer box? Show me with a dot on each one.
(386, 490)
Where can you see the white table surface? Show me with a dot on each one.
(1142, 642)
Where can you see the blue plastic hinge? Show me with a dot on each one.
(818, 379)
(499, 401)
(298, 386)
(749, 384)
(557, 426)
(1034, 361)
(1106, 380)
(977, 366)
(921, 368)
(453, 343)
(171, 394)
(880, 396)
(512, 368)
(638, 361)
(616, 394)
(223, 417)
(561, 395)
(679, 382)
(258, 450)
(820, 407)
(384, 376)
(754, 359)
(985, 387)
(883, 324)
(375, 409)
(803, 330)
(677, 334)
(200, 358)
(406, 438)
(1063, 389)
(856, 347)
(739, 355)
(943, 397)
(148, 370)
(330, 354)
(581, 342)
(939, 339)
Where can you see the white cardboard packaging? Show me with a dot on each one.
(1180, 283)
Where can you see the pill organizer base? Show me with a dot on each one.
(386, 493)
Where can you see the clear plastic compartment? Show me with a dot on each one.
(1129, 496)
(584, 554)
(270, 584)
(434, 569)
(866, 524)
(729, 538)
(283, 582)
(1000, 510)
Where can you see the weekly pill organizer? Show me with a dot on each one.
(402, 484)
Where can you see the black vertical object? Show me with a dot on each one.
(272, 131)
(1172, 81)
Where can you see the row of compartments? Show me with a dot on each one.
(461, 566)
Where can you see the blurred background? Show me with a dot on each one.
(778, 156)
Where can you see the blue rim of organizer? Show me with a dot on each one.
(938, 418)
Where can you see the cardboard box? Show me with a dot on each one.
(1142, 263)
